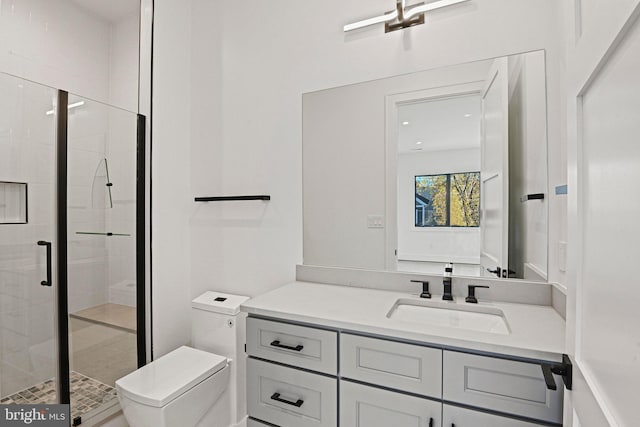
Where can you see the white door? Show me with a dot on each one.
(494, 171)
(603, 332)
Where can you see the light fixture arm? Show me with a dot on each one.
(405, 16)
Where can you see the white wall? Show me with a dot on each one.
(171, 185)
(124, 50)
(241, 68)
(55, 43)
(438, 244)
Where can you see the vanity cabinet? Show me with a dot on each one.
(294, 373)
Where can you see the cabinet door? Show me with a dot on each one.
(453, 416)
(507, 386)
(365, 406)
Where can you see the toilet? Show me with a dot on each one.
(199, 385)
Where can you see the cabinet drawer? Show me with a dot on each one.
(391, 364)
(452, 416)
(289, 397)
(503, 385)
(314, 349)
(366, 406)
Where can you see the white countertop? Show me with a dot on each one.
(537, 332)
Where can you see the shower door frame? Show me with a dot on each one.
(62, 289)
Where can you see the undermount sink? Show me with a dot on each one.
(450, 314)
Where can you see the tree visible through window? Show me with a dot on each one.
(447, 200)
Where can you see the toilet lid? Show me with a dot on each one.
(166, 378)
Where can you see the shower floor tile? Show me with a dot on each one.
(86, 394)
(115, 315)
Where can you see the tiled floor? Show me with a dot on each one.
(86, 394)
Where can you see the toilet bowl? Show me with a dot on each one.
(174, 390)
(190, 385)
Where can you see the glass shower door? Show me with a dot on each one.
(102, 252)
(28, 284)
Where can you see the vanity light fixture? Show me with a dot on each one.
(403, 16)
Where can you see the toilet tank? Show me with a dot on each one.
(217, 325)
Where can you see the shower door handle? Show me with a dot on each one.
(48, 245)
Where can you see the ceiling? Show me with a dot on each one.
(110, 10)
(443, 124)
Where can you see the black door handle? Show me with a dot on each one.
(565, 370)
(430, 422)
(48, 245)
(548, 377)
(298, 403)
(276, 343)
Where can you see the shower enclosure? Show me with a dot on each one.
(72, 282)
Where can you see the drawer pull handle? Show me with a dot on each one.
(276, 396)
(276, 343)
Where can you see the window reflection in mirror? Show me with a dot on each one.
(447, 200)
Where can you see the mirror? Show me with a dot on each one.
(414, 171)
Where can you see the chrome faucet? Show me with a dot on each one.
(446, 281)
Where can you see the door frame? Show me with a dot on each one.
(392, 102)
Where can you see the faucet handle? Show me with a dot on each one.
(471, 298)
(425, 288)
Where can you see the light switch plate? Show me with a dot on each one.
(562, 256)
(375, 221)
